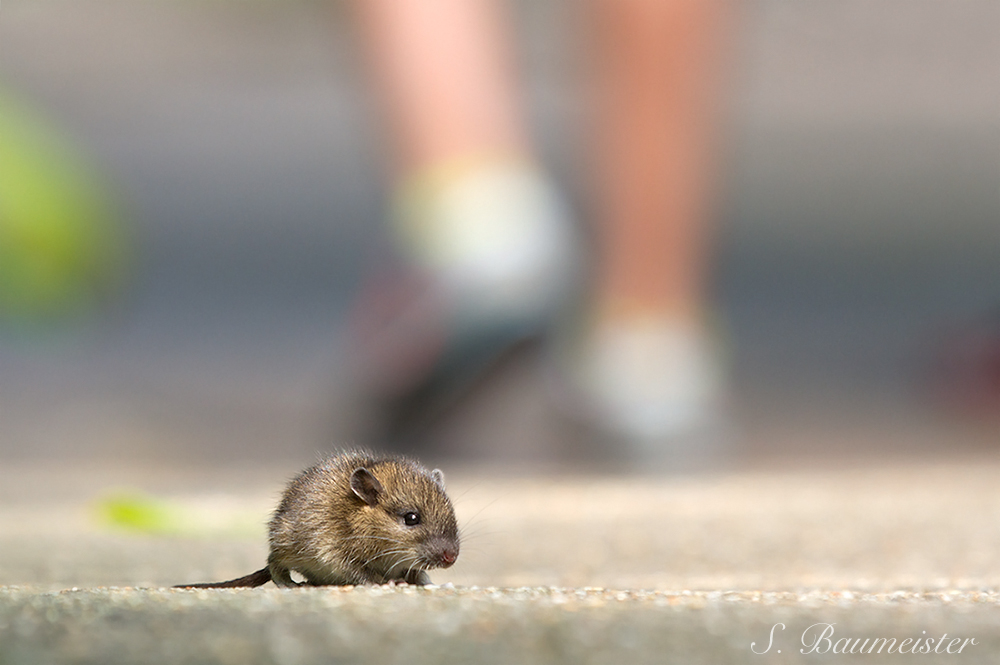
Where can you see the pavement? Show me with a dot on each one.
(555, 567)
(476, 625)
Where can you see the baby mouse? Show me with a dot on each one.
(358, 518)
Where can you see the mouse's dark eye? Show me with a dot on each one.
(411, 518)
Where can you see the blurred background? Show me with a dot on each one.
(228, 166)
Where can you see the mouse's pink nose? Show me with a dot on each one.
(448, 556)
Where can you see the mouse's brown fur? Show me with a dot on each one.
(357, 518)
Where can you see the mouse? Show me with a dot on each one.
(357, 518)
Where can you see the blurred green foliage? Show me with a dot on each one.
(62, 246)
(139, 513)
(136, 512)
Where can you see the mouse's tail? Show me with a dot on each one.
(262, 576)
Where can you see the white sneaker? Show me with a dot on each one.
(648, 383)
(496, 238)
(487, 254)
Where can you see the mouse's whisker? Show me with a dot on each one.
(379, 555)
(476, 533)
(367, 537)
(382, 554)
(488, 505)
(416, 560)
(397, 564)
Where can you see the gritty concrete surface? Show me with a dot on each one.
(554, 568)
(489, 625)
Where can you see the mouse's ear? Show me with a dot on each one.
(438, 476)
(366, 486)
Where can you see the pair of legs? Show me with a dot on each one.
(446, 76)
(445, 71)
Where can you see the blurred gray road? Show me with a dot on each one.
(860, 219)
